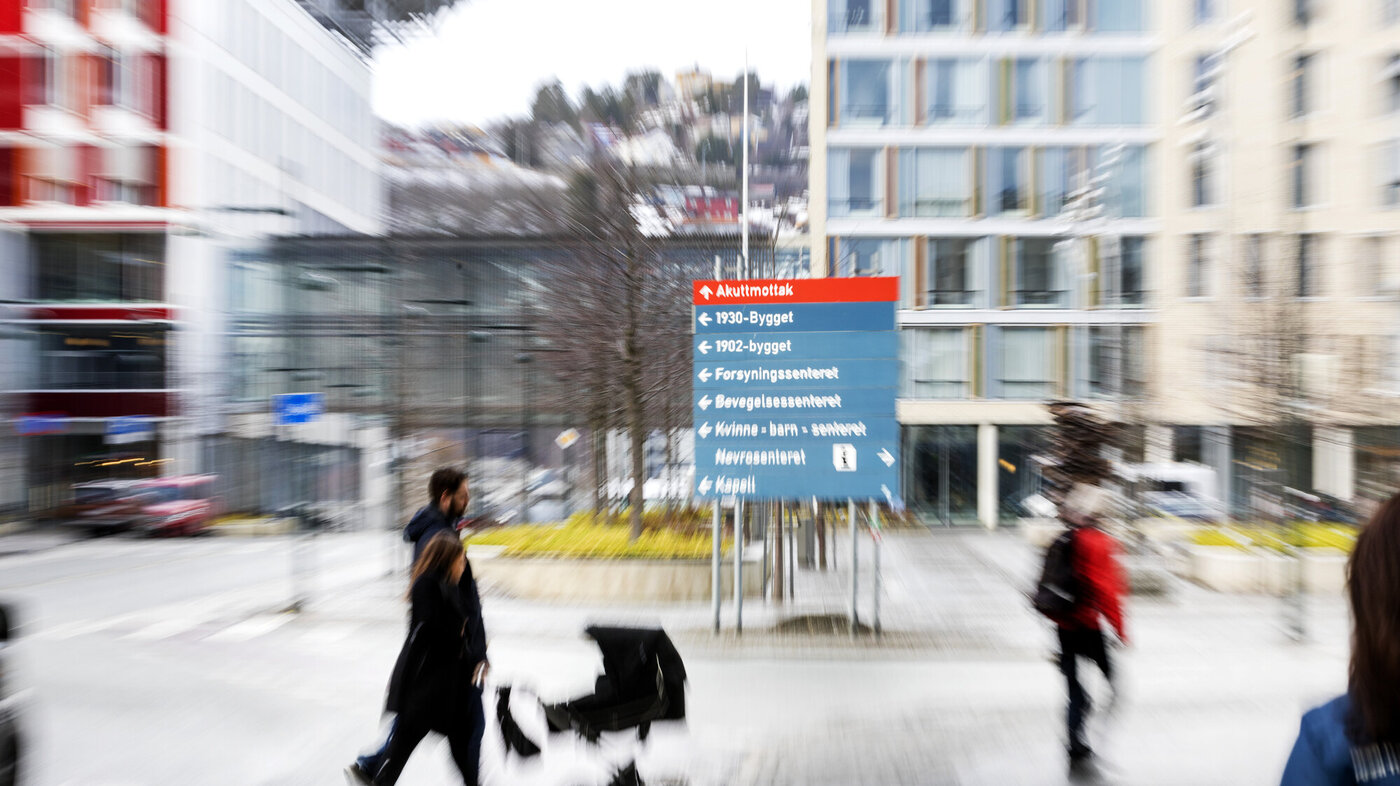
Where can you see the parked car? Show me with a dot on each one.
(1179, 504)
(11, 741)
(106, 506)
(181, 505)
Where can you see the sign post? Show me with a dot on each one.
(289, 409)
(794, 392)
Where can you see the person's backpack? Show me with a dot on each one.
(1057, 595)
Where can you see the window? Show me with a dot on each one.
(855, 16)
(1060, 15)
(1118, 16)
(1116, 362)
(1197, 270)
(99, 267)
(1203, 187)
(955, 92)
(1303, 12)
(1125, 187)
(1027, 363)
(1306, 268)
(64, 7)
(1039, 278)
(865, 93)
(950, 272)
(1391, 75)
(855, 183)
(48, 82)
(1253, 266)
(79, 358)
(1007, 15)
(1131, 270)
(1008, 180)
(1108, 91)
(128, 174)
(1301, 85)
(923, 16)
(1304, 176)
(1370, 266)
(120, 86)
(1057, 169)
(1026, 91)
(937, 363)
(1203, 75)
(867, 257)
(935, 182)
(1390, 174)
(1205, 11)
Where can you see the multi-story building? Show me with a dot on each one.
(143, 142)
(996, 155)
(1279, 190)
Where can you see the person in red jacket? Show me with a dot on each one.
(1100, 597)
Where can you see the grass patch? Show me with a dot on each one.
(581, 537)
(1304, 535)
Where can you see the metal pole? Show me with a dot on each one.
(792, 550)
(855, 565)
(739, 566)
(875, 534)
(718, 531)
(744, 203)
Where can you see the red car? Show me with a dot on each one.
(183, 505)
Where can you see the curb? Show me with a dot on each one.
(250, 528)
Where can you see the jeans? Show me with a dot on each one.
(1076, 644)
(372, 762)
(463, 737)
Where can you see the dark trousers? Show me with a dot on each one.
(1076, 644)
(463, 736)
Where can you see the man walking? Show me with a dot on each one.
(1097, 595)
(448, 495)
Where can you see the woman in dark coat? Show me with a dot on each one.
(436, 684)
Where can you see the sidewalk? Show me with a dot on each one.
(961, 689)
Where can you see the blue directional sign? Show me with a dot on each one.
(124, 430)
(741, 431)
(795, 346)
(37, 424)
(789, 319)
(795, 387)
(290, 408)
(854, 401)
(758, 375)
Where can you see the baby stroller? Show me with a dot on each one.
(643, 682)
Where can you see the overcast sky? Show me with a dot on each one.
(486, 57)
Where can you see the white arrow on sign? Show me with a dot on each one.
(889, 497)
(705, 430)
(885, 456)
(704, 347)
(705, 402)
(704, 375)
(705, 290)
(704, 319)
(705, 485)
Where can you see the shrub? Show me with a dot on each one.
(580, 537)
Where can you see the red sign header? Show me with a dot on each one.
(795, 290)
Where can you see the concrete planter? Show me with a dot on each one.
(1260, 571)
(622, 580)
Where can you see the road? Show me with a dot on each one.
(168, 662)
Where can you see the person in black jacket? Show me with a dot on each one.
(448, 495)
(437, 680)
